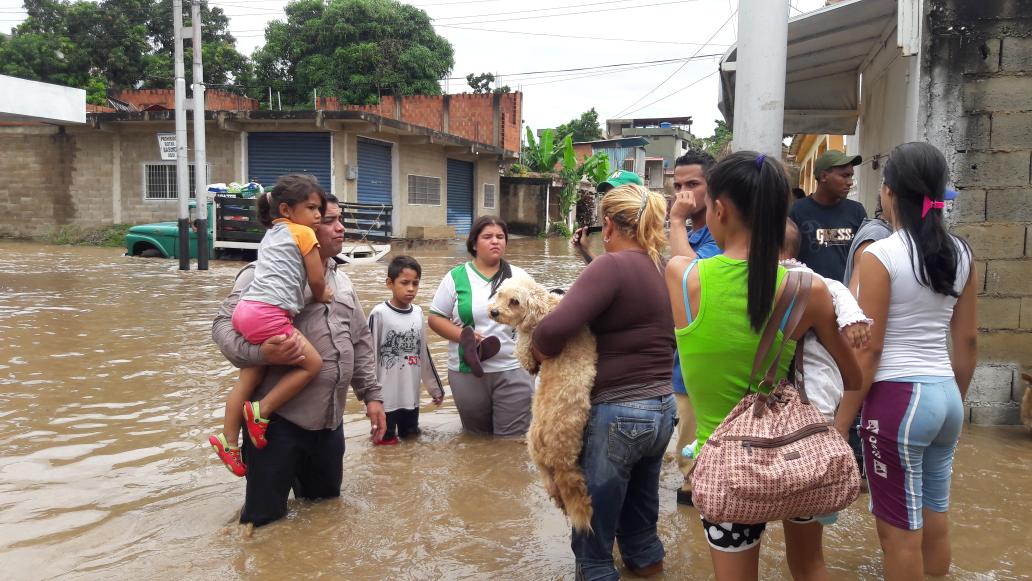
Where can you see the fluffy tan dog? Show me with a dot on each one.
(563, 397)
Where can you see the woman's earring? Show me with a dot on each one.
(606, 240)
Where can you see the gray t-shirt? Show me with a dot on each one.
(279, 274)
(871, 230)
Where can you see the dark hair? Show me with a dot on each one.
(290, 189)
(915, 171)
(504, 270)
(798, 193)
(696, 157)
(792, 238)
(331, 199)
(758, 188)
(400, 263)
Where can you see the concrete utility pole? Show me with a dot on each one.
(760, 76)
(182, 162)
(200, 150)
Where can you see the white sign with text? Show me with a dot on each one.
(167, 146)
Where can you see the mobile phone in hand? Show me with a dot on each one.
(593, 230)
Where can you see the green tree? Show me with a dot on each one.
(113, 44)
(714, 145)
(356, 50)
(583, 128)
(481, 84)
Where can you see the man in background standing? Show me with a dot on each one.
(827, 220)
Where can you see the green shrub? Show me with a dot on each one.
(112, 235)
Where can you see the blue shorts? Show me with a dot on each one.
(910, 427)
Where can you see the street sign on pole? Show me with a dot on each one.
(167, 146)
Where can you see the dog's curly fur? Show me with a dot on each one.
(563, 397)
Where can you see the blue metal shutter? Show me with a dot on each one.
(460, 195)
(374, 172)
(270, 155)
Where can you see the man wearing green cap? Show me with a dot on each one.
(828, 221)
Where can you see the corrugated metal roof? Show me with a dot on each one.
(827, 49)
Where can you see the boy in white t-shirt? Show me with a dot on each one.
(402, 353)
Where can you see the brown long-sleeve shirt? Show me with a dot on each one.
(338, 331)
(623, 299)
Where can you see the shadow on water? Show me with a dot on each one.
(109, 386)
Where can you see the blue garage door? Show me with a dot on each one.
(374, 172)
(270, 155)
(460, 195)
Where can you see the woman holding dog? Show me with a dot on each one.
(621, 297)
(720, 307)
(919, 286)
(492, 391)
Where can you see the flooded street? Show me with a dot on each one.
(110, 385)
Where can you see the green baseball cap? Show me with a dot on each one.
(834, 158)
(619, 178)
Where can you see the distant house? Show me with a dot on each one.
(436, 159)
(669, 137)
(627, 153)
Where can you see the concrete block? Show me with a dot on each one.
(980, 57)
(1012, 130)
(430, 232)
(1009, 277)
(1002, 346)
(1025, 317)
(1016, 54)
(991, 384)
(995, 416)
(997, 94)
(999, 169)
(972, 132)
(969, 206)
(1001, 240)
(1011, 204)
(999, 313)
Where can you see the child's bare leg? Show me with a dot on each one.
(292, 381)
(249, 380)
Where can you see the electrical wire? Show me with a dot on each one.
(578, 13)
(712, 36)
(534, 10)
(684, 88)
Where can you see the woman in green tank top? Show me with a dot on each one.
(720, 306)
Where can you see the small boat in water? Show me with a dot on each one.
(363, 252)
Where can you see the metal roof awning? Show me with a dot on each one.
(827, 50)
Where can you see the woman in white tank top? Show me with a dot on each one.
(919, 287)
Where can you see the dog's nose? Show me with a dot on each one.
(493, 313)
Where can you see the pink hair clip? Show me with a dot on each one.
(929, 204)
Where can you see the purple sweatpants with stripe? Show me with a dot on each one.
(910, 431)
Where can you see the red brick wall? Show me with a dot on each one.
(469, 116)
(214, 99)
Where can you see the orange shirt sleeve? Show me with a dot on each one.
(304, 237)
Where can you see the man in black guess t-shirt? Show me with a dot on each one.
(828, 221)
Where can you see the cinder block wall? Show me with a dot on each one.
(979, 107)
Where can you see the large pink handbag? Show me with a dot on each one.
(774, 456)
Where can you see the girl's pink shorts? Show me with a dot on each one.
(258, 321)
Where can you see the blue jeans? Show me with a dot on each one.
(622, 456)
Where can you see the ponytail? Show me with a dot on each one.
(913, 172)
(757, 186)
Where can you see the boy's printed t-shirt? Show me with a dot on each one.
(402, 356)
(826, 233)
(462, 298)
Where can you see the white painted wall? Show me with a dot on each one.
(22, 100)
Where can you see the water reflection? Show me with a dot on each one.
(109, 385)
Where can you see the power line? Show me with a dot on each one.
(535, 10)
(684, 88)
(712, 36)
(572, 36)
(600, 74)
(577, 13)
(581, 69)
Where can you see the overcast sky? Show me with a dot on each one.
(660, 29)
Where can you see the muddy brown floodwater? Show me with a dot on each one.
(109, 386)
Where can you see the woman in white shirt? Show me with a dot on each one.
(492, 391)
(919, 286)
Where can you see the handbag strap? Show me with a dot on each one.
(799, 303)
(777, 320)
